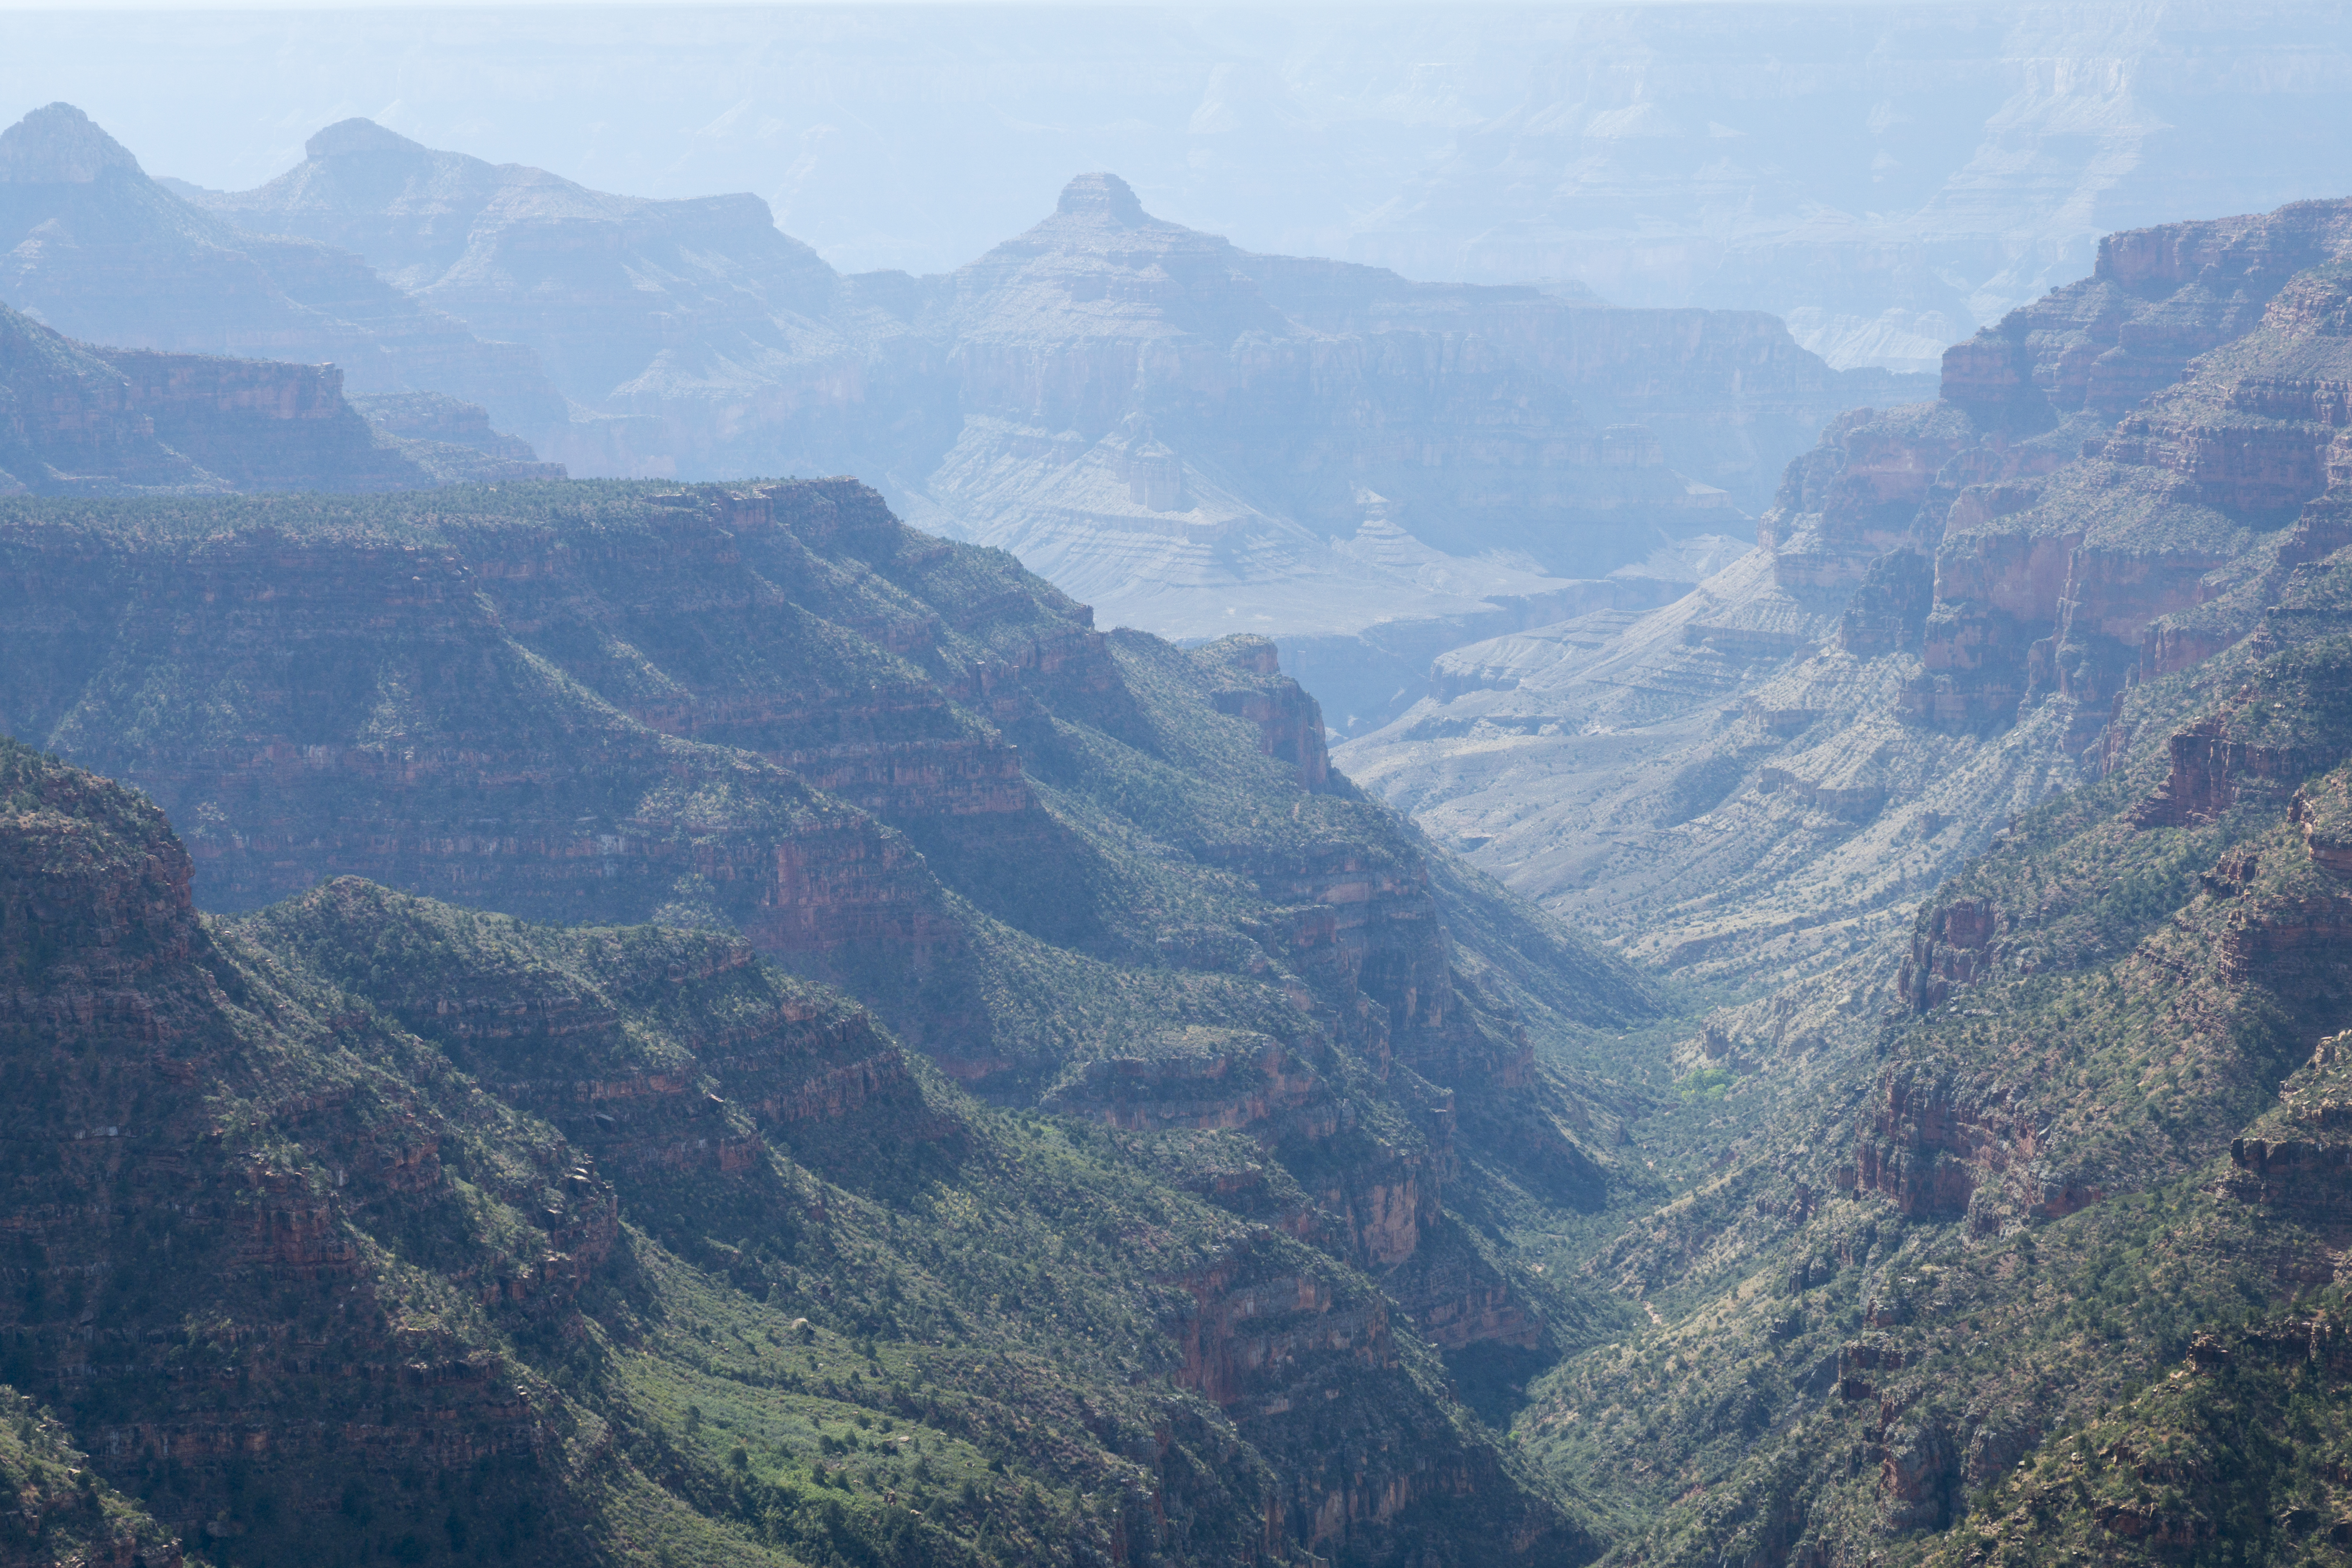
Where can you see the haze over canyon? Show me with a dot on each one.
(1376, 787)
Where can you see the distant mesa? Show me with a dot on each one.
(106, 255)
(59, 145)
(691, 339)
(90, 421)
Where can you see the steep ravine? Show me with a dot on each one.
(1088, 875)
(1997, 791)
(730, 1029)
(374, 1227)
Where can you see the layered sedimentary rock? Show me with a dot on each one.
(491, 245)
(1990, 1274)
(1143, 402)
(1196, 439)
(2106, 566)
(452, 436)
(1945, 604)
(71, 420)
(85, 420)
(1090, 871)
(134, 1036)
(1192, 437)
(2297, 1158)
(64, 1510)
(328, 1217)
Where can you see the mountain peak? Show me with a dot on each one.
(59, 145)
(1103, 195)
(349, 136)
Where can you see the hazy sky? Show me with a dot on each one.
(885, 134)
(1892, 174)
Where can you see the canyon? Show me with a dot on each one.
(749, 355)
(1760, 781)
(671, 1020)
(1193, 439)
(439, 1189)
(2016, 1124)
(1092, 873)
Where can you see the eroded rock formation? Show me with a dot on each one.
(1194, 438)
(106, 254)
(327, 1212)
(77, 419)
(1945, 603)
(1086, 870)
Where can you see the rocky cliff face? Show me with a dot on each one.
(1104, 340)
(141, 1044)
(1946, 603)
(2016, 745)
(2021, 1220)
(83, 420)
(64, 1510)
(2051, 584)
(376, 1226)
(1302, 448)
(490, 244)
(1094, 872)
(1121, 400)
(453, 437)
(152, 405)
(1278, 392)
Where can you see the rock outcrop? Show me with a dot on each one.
(2010, 764)
(77, 419)
(1196, 439)
(2078, 1181)
(453, 437)
(1093, 872)
(133, 1034)
(327, 1213)
(1944, 605)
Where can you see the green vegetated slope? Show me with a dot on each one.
(63, 1509)
(2051, 1273)
(1204, 1287)
(1083, 871)
(1249, 1165)
(375, 1228)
